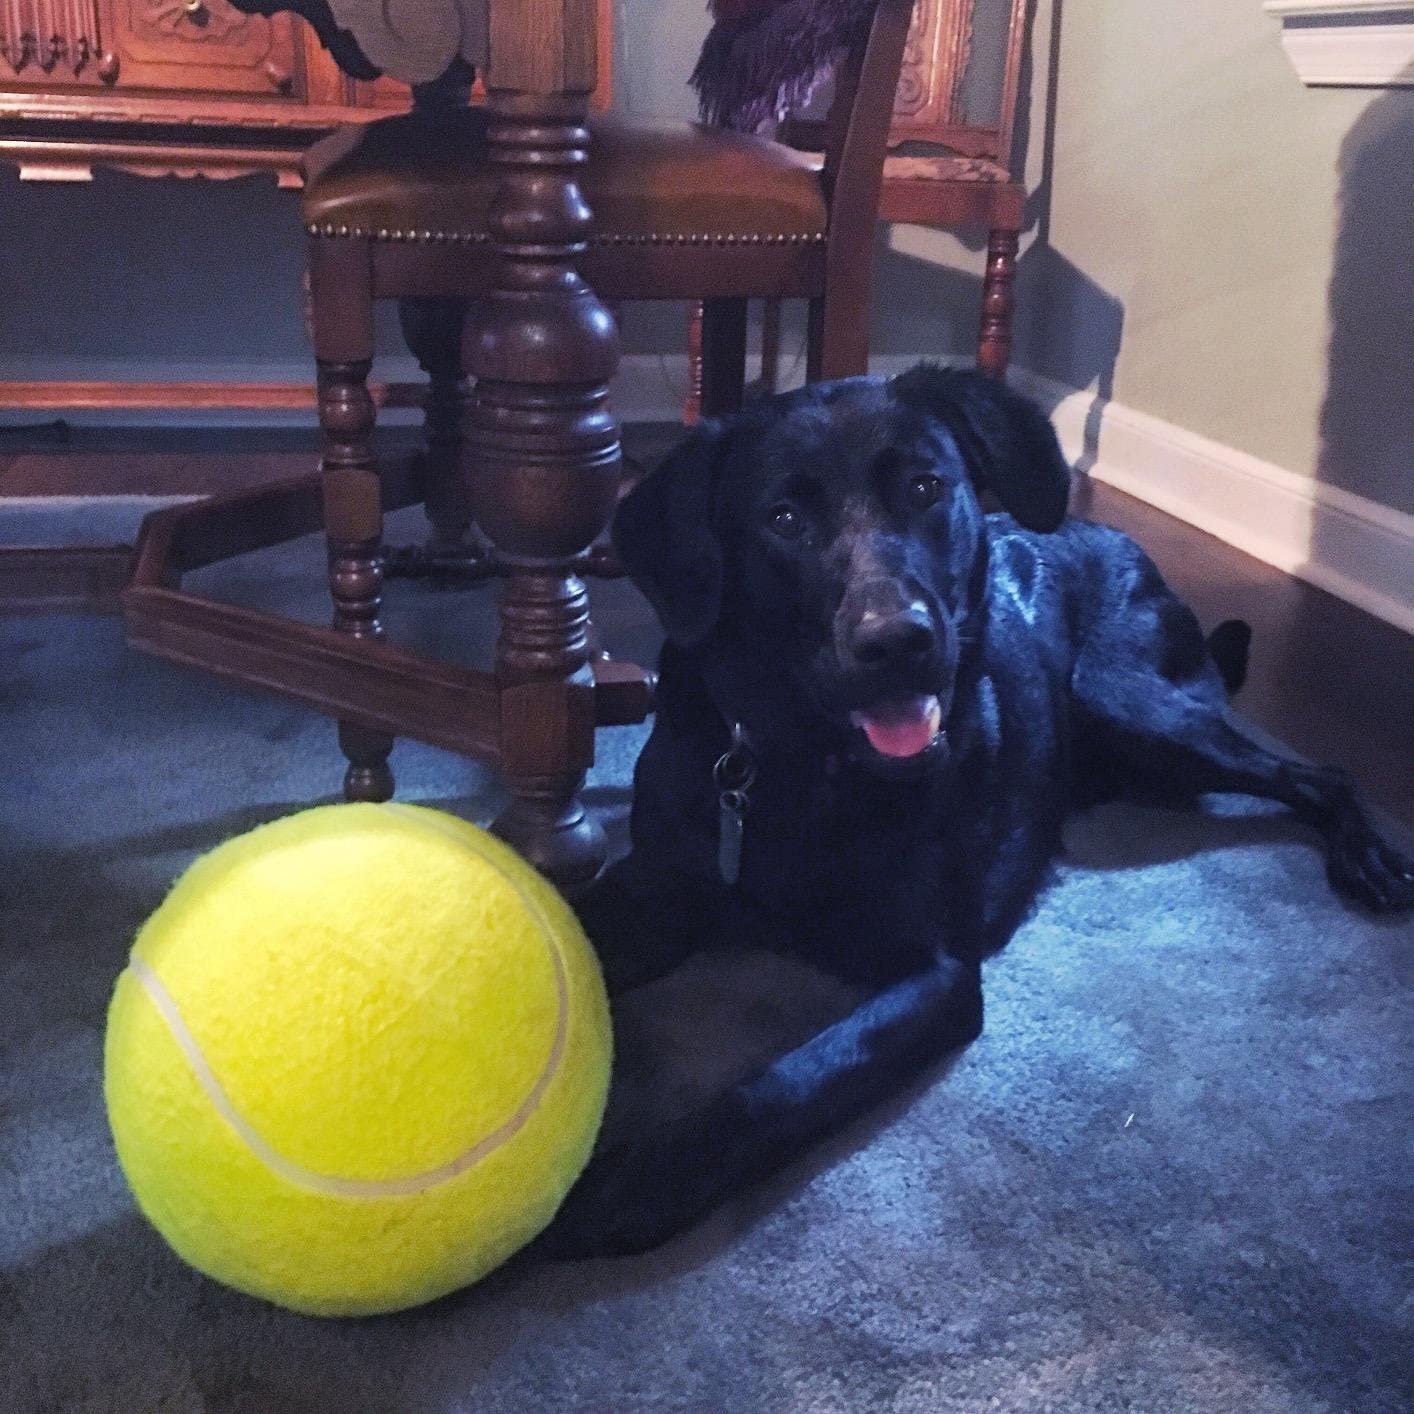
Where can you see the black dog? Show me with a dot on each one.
(877, 705)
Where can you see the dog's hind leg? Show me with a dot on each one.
(1171, 740)
(637, 1195)
(1228, 647)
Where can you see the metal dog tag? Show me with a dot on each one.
(731, 827)
(733, 775)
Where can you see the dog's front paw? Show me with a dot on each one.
(1366, 870)
(630, 1199)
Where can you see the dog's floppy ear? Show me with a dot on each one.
(663, 533)
(1007, 442)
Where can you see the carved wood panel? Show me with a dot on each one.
(190, 21)
(54, 42)
(929, 106)
(921, 81)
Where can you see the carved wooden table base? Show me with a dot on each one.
(371, 686)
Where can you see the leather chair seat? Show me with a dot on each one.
(421, 177)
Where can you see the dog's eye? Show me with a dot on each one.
(787, 522)
(923, 491)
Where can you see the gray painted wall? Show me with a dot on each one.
(1227, 249)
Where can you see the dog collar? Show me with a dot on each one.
(733, 774)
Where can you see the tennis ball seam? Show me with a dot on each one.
(332, 1185)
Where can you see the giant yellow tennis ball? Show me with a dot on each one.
(357, 1058)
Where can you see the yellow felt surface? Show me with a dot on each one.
(374, 988)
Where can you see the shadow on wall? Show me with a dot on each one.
(923, 306)
(1074, 336)
(1367, 420)
(1068, 327)
(1367, 447)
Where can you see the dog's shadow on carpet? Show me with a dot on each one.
(560, 1286)
(114, 1320)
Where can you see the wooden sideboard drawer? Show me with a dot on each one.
(205, 46)
(190, 46)
(181, 87)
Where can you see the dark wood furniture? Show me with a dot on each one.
(680, 210)
(189, 88)
(163, 88)
(184, 88)
(958, 100)
(448, 205)
(949, 163)
(160, 87)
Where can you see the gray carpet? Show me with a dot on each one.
(1172, 1175)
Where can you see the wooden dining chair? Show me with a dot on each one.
(948, 165)
(400, 209)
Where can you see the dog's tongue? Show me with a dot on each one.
(901, 728)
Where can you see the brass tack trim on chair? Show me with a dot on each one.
(711, 238)
(428, 237)
(391, 233)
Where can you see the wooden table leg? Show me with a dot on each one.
(545, 448)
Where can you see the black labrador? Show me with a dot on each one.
(877, 704)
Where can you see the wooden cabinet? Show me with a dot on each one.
(175, 87)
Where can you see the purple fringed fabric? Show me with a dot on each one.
(756, 69)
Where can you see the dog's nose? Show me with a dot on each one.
(895, 637)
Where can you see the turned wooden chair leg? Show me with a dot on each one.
(723, 356)
(998, 301)
(433, 331)
(692, 404)
(353, 524)
(341, 320)
(368, 776)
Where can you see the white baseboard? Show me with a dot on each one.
(1354, 548)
